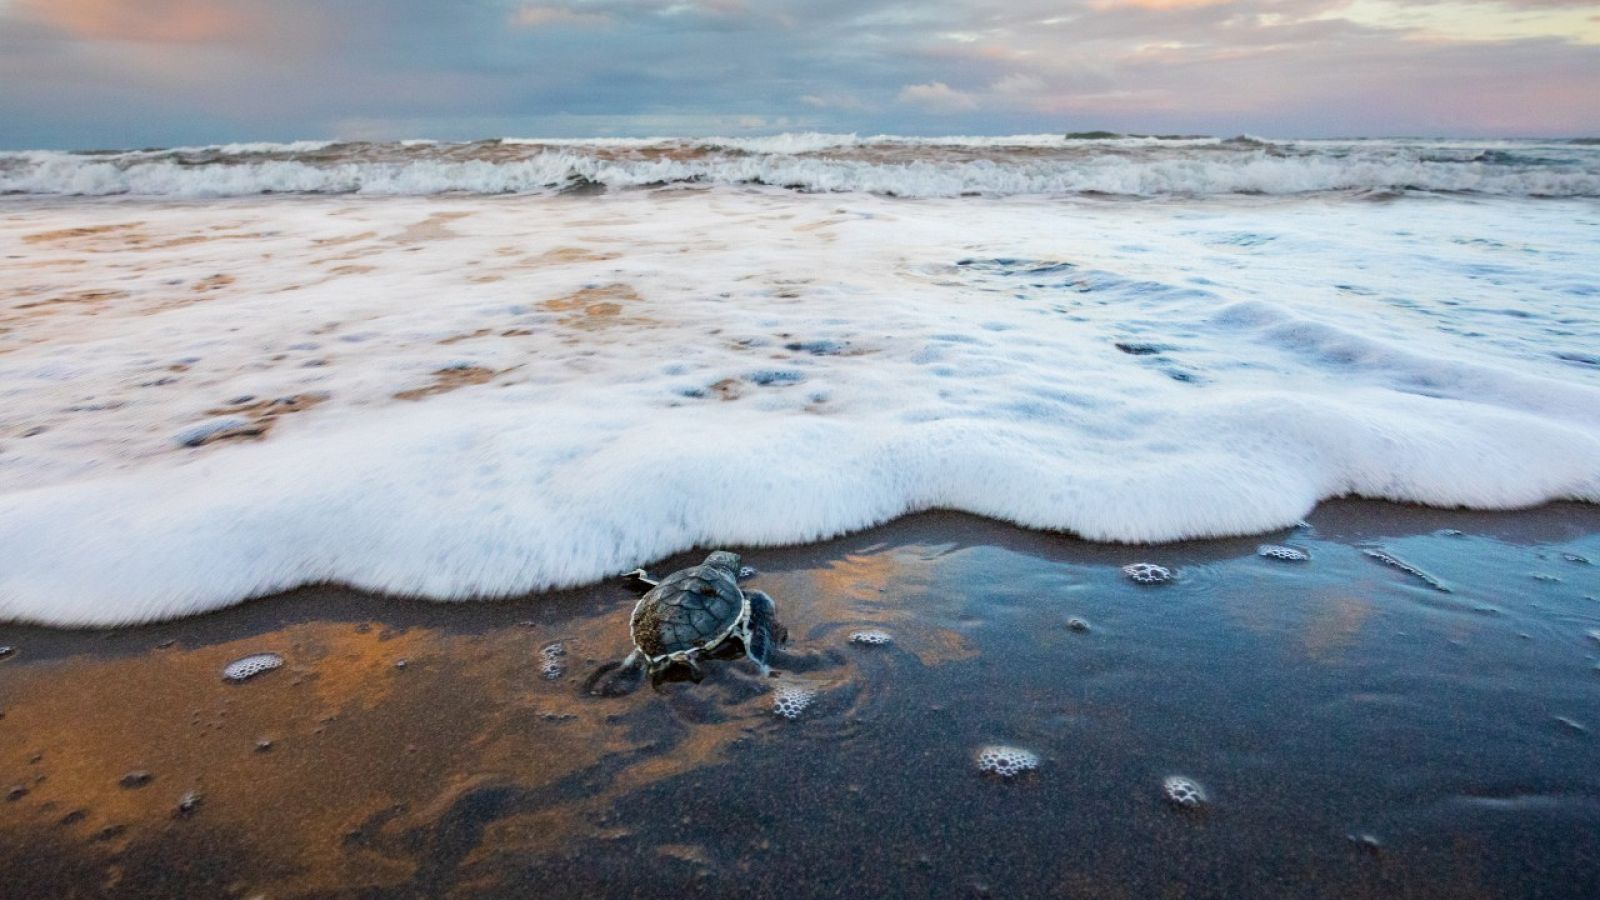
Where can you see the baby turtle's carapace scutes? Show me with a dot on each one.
(697, 612)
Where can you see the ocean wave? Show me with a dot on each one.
(476, 503)
(456, 398)
(883, 164)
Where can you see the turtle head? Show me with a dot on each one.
(723, 559)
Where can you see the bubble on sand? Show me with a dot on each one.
(1183, 792)
(1006, 762)
(553, 661)
(1147, 573)
(73, 818)
(251, 666)
(790, 700)
(1365, 841)
(872, 638)
(1287, 554)
(136, 779)
(1395, 562)
(1078, 625)
(746, 572)
(187, 804)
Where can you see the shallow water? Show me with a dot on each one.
(1357, 731)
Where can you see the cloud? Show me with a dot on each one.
(937, 97)
(547, 16)
(150, 72)
(704, 8)
(1158, 4)
(836, 101)
(142, 21)
(1018, 83)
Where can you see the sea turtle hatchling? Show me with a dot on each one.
(696, 613)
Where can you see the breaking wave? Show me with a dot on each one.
(887, 165)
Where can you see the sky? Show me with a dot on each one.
(151, 73)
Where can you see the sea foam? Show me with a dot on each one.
(519, 394)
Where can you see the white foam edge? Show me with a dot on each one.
(458, 501)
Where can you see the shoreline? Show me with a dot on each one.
(1350, 515)
(1348, 511)
(413, 746)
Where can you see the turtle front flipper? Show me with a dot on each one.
(616, 679)
(640, 580)
(765, 632)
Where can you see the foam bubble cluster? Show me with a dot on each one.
(790, 700)
(871, 637)
(188, 803)
(1006, 761)
(1147, 573)
(199, 434)
(1367, 841)
(1280, 552)
(553, 661)
(251, 666)
(1183, 792)
(136, 779)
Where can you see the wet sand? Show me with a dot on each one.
(1359, 732)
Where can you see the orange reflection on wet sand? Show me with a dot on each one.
(869, 589)
(368, 736)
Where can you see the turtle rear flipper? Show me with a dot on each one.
(765, 632)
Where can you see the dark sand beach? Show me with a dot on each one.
(1358, 731)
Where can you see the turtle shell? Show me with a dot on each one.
(691, 609)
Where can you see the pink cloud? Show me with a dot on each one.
(141, 21)
(1156, 4)
(548, 16)
(937, 97)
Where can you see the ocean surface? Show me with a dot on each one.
(487, 369)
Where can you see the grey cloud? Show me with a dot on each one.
(475, 68)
